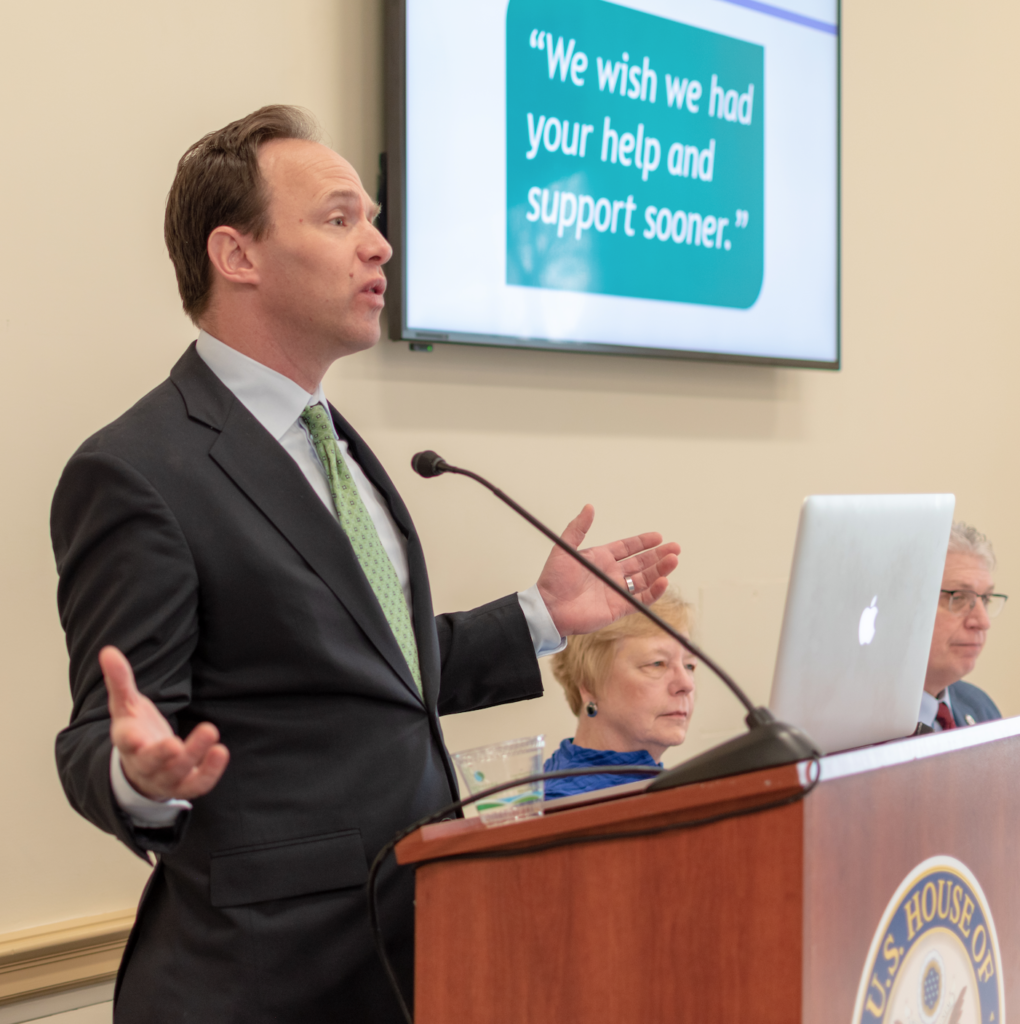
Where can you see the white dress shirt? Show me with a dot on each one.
(277, 403)
(930, 708)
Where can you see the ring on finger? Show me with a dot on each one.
(630, 585)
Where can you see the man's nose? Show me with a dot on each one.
(977, 617)
(374, 248)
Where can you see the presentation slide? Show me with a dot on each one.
(648, 174)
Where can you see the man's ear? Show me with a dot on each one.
(229, 252)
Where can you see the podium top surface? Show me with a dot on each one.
(914, 748)
(630, 815)
(625, 813)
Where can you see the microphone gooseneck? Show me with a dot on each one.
(767, 744)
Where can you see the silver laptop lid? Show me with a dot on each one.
(860, 611)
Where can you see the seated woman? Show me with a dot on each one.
(632, 688)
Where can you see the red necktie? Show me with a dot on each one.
(945, 717)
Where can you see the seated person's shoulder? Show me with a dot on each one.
(968, 699)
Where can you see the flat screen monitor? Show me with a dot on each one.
(656, 177)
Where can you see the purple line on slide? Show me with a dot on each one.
(778, 12)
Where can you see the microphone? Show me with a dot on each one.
(429, 464)
(768, 744)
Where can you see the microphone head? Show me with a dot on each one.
(428, 464)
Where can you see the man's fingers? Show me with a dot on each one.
(657, 574)
(654, 592)
(641, 562)
(579, 526)
(174, 759)
(653, 580)
(121, 690)
(186, 777)
(200, 739)
(173, 767)
(205, 774)
(621, 549)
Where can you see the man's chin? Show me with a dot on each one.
(964, 666)
(359, 339)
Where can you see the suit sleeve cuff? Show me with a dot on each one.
(544, 635)
(143, 812)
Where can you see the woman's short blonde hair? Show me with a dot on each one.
(587, 660)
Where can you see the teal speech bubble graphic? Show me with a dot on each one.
(635, 155)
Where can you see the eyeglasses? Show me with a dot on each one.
(959, 601)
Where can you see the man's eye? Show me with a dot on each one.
(337, 220)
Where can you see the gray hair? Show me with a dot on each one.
(966, 540)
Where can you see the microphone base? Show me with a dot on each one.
(766, 746)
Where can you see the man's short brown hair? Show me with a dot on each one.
(218, 183)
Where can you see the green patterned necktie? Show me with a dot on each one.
(364, 537)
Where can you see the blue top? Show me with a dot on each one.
(569, 756)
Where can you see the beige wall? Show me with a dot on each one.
(100, 99)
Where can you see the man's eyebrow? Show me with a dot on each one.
(374, 209)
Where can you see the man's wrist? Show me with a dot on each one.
(545, 636)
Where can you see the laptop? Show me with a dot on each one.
(860, 611)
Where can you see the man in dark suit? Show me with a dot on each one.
(238, 568)
(967, 604)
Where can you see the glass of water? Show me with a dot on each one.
(485, 767)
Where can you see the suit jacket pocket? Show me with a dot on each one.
(297, 867)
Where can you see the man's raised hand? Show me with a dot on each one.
(580, 602)
(157, 762)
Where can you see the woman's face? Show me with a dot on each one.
(647, 701)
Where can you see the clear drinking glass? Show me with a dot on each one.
(484, 767)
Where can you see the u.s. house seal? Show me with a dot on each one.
(935, 957)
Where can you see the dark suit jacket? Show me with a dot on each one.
(966, 699)
(186, 536)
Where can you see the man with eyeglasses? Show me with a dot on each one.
(967, 605)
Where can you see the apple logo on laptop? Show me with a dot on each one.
(866, 627)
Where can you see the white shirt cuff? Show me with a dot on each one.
(145, 813)
(544, 634)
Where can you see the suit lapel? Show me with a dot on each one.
(263, 470)
(421, 595)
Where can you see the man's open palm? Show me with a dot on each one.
(157, 762)
(580, 602)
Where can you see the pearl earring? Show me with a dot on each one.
(591, 709)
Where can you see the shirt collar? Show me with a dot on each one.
(930, 706)
(929, 709)
(273, 399)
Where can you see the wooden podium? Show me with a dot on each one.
(757, 916)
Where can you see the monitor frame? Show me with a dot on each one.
(393, 197)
